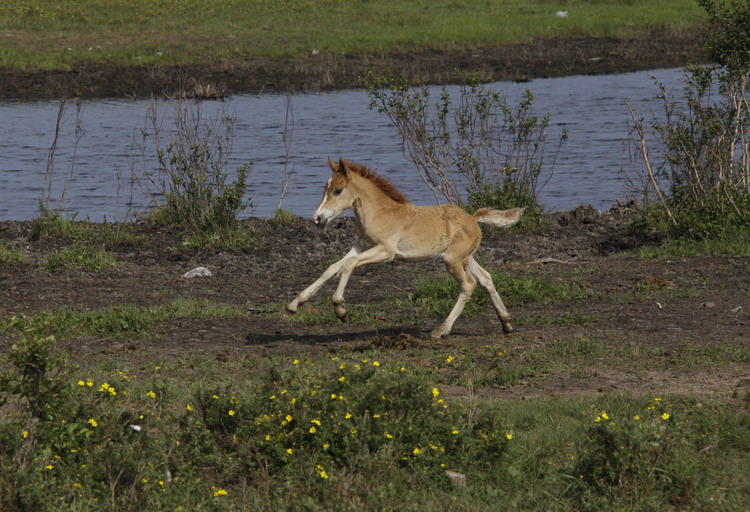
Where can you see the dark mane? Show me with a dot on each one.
(382, 183)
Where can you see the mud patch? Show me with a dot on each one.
(542, 58)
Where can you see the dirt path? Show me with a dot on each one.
(519, 62)
(667, 325)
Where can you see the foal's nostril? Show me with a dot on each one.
(316, 219)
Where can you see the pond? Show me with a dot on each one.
(100, 175)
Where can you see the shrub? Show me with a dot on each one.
(478, 139)
(701, 187)
(636, 459)
(192, 186)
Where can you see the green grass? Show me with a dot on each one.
(436, 296)
(57, 34)
(108, 235)
(117, 321)
(81, 256)
(369, 431)
(10, 255)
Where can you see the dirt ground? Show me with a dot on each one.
(541, 58)
(699, 302)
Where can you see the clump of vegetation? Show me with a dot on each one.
(700, 190)
(193, 187)
(10, 255)
(641, 458)
(116, 321)
(476, 141)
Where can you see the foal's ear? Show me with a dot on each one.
(334, 166)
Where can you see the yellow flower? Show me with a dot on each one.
(508, 436)
(313, 430)
(50, 466)
(342, 378)
(353, 431)
(296, 361)
(334, 396)
(416, 451)
(326, 446)
(342, 366)
(636, 417)
(665, 416)
(93, 422)
(189, 407)
(25, 434)
(268, 437)
(289, 451)
(376, 415)
(151, 394)
(375, 363)
(347, 416)
(454, 432)
(220, 492)
(89, 382)
(231, 412)
(388, 436)
(435, 392)
(316, 421)
(81, 383)
(288, 417)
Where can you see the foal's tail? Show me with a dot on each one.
(498, 218)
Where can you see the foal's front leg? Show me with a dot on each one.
(330, 272)
(371, 255)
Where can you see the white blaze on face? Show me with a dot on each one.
(323, 214)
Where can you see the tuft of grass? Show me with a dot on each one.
(9, 256)
(116, 321)
(285, 216)
(81, 256)
(436, 296)
(727, 243)
(51, 224)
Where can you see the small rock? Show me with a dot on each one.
(457, 479)
(736, 310)
(708, 304)
(198, 272)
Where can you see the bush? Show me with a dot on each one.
(700, 190)
(642, 460)
(477, 139)
(192, 186)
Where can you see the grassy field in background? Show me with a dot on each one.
(51, 34)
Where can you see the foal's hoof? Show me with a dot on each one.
(507, 328)
(289, 312)
(436, 335)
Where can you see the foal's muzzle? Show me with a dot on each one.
(320, 221)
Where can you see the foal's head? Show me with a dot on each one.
(339, 195)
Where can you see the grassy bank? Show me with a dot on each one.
(46, 34)
(365, 431)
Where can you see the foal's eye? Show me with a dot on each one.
(337, 191)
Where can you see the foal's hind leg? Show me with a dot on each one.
(466, 284)
(485, 281)
(330, 272)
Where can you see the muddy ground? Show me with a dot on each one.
(664, 305)
(542, 58)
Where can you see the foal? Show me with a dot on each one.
(388, 227)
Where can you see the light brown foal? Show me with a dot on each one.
(388, 226)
